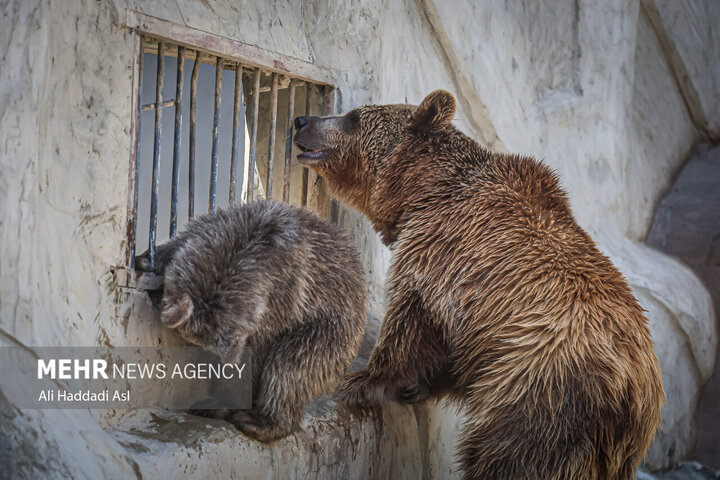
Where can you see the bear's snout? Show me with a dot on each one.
(300, 122)
(310, 138)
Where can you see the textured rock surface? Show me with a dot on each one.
(591, 87)
(690, 39)
(684, 471)
(338, 445)
(687, 225)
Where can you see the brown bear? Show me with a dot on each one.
(496, 297)
(277, 279)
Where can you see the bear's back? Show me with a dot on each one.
(266, 253)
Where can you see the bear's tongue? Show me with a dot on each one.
(312, 154)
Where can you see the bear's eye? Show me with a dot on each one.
(351, 120)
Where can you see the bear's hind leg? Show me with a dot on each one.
(525, 438)
(257, 426)
(300, 365)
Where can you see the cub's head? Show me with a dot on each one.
(351, 151)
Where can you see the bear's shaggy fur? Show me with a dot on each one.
(496, 297)
(277, 279)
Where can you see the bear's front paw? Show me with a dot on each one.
(359, 390)
(412, 393)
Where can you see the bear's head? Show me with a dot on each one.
(358, 152)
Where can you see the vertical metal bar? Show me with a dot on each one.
(156, 153)
(133, 234)
(236, 134)
(253, 134)
(193, 119)
(216, 122)
(273, 128)
(330, 108)
(288, 141)
(179, 81)
(305, 172)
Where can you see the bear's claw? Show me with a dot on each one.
(412, 393)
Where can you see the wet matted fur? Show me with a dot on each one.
(496, 297)
(277, 279)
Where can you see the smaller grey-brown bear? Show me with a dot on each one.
(274, 278)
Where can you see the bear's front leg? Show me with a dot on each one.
(409, 350)
(360, 389)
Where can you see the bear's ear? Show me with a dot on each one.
(436, 110)
(176, 314)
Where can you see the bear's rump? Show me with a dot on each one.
(550, 424)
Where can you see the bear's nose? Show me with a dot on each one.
(300, 122)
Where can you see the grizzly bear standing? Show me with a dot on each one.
(496, 297)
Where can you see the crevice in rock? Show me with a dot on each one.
(677, 68)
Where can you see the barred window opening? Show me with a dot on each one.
(212, 132)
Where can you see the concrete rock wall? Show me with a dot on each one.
(687, 225)
(593, 88)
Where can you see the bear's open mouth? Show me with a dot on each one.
(309, 155)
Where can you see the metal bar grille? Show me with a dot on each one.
(179, 83)
(236, 134)
(136, 177)
(156, 152)
(253, 135)
(193, 130)
(216, 121)
(271, 143)
(231, 144)
(305, 171)
(288, 142)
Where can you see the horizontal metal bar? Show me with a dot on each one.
(269, 89)
(132, 279)
(228, 49)
(150, 47)
(152, 106)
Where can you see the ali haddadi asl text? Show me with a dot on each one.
(83, 396)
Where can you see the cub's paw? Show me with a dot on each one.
(412, 393)
(359, 390)
(256, 427)
(142, 263)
